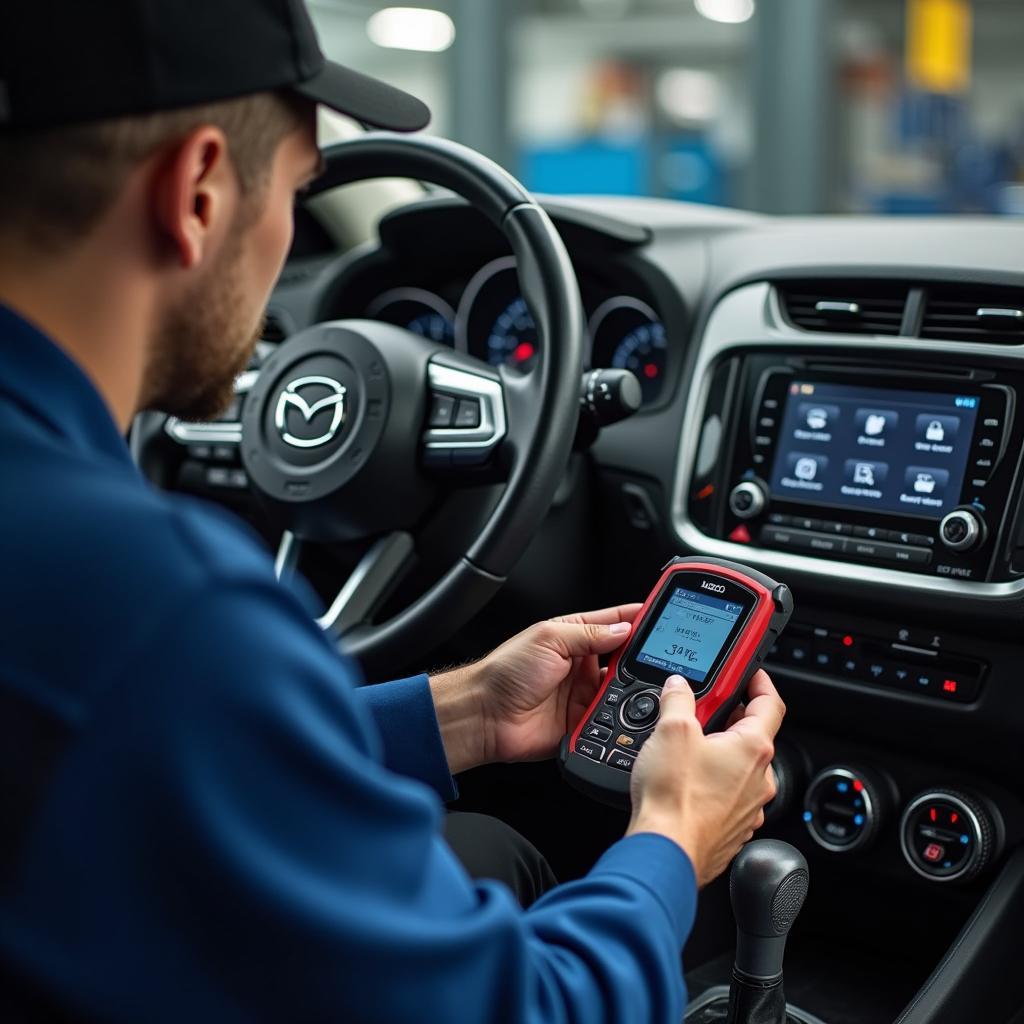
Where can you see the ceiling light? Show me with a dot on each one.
(687, 95)
(411, 28)
(730, 11)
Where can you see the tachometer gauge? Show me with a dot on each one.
(493, 322)
(627, 335)
(416, 310)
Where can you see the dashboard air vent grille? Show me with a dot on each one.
(845, 306)
(974, 313)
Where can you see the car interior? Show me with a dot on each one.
(551, 397)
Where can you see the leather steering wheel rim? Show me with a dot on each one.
(543, 446)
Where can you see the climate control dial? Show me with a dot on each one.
(842, 809)
(947, 835)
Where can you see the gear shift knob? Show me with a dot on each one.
(767, 885)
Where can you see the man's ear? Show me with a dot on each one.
(195, 190)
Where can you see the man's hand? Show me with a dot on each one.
(519, 701)
(707, 792)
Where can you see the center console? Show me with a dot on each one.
(889, 461)
(880, 477)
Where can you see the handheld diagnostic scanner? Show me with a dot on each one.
(708, 620)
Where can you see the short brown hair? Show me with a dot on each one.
(55, 184)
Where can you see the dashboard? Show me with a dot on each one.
(472, 301)
(834, 401)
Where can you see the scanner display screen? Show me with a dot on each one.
(689, 634)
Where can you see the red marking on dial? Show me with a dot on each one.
(523, 351)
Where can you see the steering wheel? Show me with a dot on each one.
(352, 429)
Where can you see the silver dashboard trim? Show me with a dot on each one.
(750, 316)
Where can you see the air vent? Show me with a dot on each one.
(846, 307)
(973, 313)
(274, 329)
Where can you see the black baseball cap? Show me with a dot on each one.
(69, 61)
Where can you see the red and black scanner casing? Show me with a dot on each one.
(767, 607)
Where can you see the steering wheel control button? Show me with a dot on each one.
(604, 718)
(467, 414)
(597, 732)
(947, 836)
(588, 749)
(613, 697)
(961, 530)
(621, 760)
(747, 500)
(841, 809)
(477, 424)
(442, 410)
(641, 710)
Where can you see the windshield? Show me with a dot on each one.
(844, 106)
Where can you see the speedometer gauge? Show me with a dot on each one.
(416, 310)
(627, 335)
(513, 339)
(494, 322)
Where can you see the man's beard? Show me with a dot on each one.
(202, 345)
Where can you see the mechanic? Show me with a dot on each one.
(204, 817)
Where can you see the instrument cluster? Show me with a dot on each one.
(491, 321)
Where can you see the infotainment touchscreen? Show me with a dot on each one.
(855, 447)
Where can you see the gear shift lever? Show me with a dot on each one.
(767, 885)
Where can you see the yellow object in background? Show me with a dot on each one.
(939, 45)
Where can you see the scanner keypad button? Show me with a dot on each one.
(592, 750)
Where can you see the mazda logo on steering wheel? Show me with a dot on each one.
(290, 397)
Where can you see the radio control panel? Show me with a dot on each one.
(835, 459)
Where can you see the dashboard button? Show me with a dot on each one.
(820, 542)
(796, 651)
(850, 667)
(863, 549)
(843, 529)
(909, 556)
(878, 670)
(955, 687)
(824, 660)
(922, 681)
(778, 537)
(902, 676)
(913, 539)
(871, 532)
